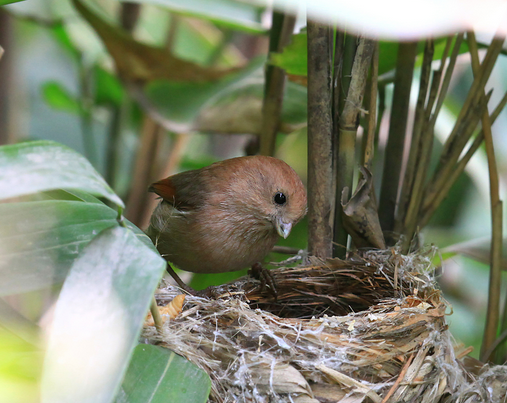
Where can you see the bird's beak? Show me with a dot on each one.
(283, 228)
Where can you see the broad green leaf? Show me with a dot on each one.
(40, 240)
(98, 317)
(4, 2)
(108, 90)
(58, 97)
(158, 375)
(226, 13)
(36, 166)
(293, 58)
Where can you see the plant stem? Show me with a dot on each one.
(85, 115)
(372, 112)
(348, 124)
(155, 313)
(345, 50)
(397, 133)
(129, 15)
(466, 122)
(280, 34)
(320, 181)
(408, 205)
(427, 213)
(495, 277)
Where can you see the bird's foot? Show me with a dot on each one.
(262, 274)
(179, 281)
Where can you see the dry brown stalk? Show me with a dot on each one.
(399, 379)
(275, 83)
(320, 181)
(372, 111)
(347, 133)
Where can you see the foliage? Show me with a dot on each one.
(151, 84)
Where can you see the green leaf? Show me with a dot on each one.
(39, 241)
(108, 90)
(4, 2)
(226, 13)
(58, 97)
(158, 375)
(293, 58)
(98, 318)
(36, 166)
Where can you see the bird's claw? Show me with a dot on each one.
(266, 278)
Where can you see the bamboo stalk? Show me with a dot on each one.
(141, 176)
(348, 126)
(407, 198)
(280, 34)
(372, 112)
(459, 168)
(463, 129)
(320, 195)
(129, 15)
(397, 133)
(343, 167)
(85, 115)
(495, 277)
(447, 77)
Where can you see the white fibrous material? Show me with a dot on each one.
(378, 333)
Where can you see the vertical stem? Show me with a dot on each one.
(141, 178)
(344, 146)
(397, 133)
(86, 118)
(320, 197)
(372, 112)
(129, 15)
(495, 277)
(155, 313)
(280, 34)
(420, 150)
(349, 123)
(113, 146)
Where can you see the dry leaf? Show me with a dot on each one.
(360, 216)
(137, 62)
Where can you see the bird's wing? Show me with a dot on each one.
(184, 191)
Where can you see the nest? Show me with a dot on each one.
(370, 329)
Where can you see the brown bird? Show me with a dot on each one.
(227, 216)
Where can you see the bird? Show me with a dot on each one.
(226, 216)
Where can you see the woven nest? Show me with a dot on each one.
(370, 329)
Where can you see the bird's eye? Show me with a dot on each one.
(280, 198)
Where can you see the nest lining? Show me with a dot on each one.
(367, 330)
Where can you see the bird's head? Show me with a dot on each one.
(269, 191)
